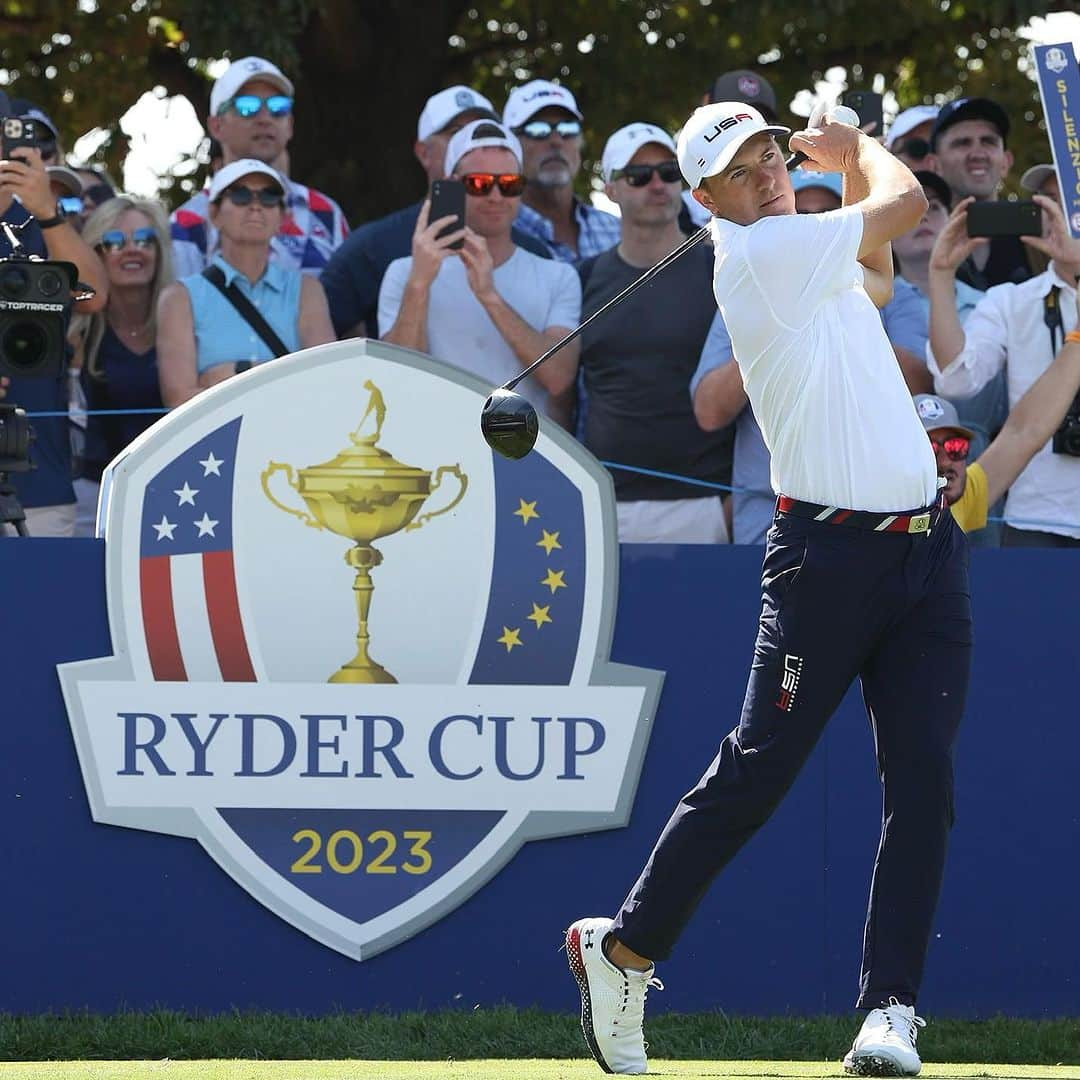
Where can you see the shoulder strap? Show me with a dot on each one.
(216, 276)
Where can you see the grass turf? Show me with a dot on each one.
(528, 1069)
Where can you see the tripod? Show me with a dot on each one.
(11, 511)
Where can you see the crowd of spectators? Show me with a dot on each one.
(257, 264)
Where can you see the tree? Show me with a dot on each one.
(363, 68)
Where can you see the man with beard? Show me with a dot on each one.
(546, 118)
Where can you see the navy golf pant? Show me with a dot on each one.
(838, 602)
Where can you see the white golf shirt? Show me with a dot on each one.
(820, 373)
(1008, 328)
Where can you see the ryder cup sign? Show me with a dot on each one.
(358, 657)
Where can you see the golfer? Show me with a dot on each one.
(865, 576)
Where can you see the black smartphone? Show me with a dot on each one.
(14, 133)
(868, 106)
(1004, 217)
(448, 198)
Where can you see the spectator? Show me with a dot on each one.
(98, 188)
(968, 151)
(491, 307)
(816, 192)
(1019, 328)
(637, 367)
(27, 205)
(201, 338)
(546, 118)
(251, 116)
(1042, 180)
(971, 489)
(48, 133)
(116, 346)
(909, 135)
(355, 272)
(66, 187)
(741, 85)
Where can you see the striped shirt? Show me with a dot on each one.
(598, 231)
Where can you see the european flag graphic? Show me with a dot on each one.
(537, 591)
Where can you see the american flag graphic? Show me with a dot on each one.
(187, 577)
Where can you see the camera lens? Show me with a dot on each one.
(13, 282)
(49, 283)
(23, 345)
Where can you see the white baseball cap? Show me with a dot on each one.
(242, 71)
(712, 137)
(1036, 176)
(227, 175)
(626, 142)
(801, 179)
(527, 100)
(909, 120)
(442, 107)
(477, 134)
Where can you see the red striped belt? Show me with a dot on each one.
(910, 521)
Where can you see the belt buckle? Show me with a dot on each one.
(919, 523)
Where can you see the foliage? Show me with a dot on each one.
(363, 68)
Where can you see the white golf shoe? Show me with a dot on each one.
(612, 1000)
(885, 1045)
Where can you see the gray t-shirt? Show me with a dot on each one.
(544, 292)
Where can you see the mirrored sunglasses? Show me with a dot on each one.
(478, 183)
(239, 195)
(248, 105)
(956, 447)
(542, 129)
(640, 175)
(116, 240)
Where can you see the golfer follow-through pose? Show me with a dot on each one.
(865, 575)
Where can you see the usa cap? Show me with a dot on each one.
(449, 104)
(478, 134)
(527, 100)
(937, 413)
(242, 71)
(626, 142)
(712, 137)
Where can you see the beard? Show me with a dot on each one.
(553, 172)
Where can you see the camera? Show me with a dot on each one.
(35, 306)
(1067, 437)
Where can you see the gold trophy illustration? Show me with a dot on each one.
(364, 494)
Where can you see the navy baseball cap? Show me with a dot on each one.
(970, 109)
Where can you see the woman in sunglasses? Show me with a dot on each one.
(203, 338)
(114, 348)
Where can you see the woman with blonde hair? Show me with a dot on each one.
(117, 345)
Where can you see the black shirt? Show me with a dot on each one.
(1008, 262)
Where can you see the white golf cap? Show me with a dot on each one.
(626, 142)
(227, 175)
(242, 71)
(527, 100)
(712, 137)
(447, 104)
(909, 120)
(476, 135)
(1036, 176)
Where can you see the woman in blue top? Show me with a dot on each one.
(201, 337)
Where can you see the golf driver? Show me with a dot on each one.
(508, 421)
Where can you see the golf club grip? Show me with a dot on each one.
(795, 160)
(649, 274)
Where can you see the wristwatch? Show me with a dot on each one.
(51, 222)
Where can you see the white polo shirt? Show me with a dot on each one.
(820, 373)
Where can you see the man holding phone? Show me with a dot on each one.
(467, 294)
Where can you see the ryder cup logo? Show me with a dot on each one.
(358, 657)
(1056, 60)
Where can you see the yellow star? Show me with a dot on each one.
(510, 638)
(550, 540)
(554, 580)
(525, 511)
(540, 615)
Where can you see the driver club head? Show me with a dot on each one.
(509, 424)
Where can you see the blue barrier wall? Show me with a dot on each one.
(102, 917)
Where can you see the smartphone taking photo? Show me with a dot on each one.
(868, 106)
(448, 198)
(1004, 217)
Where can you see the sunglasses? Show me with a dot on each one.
(239, 195)
(640, 175)
(248, 105)
(69, 204)
(914, 148)
(542, 129)
(956, 447)
(480, 183)
(116, 240)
